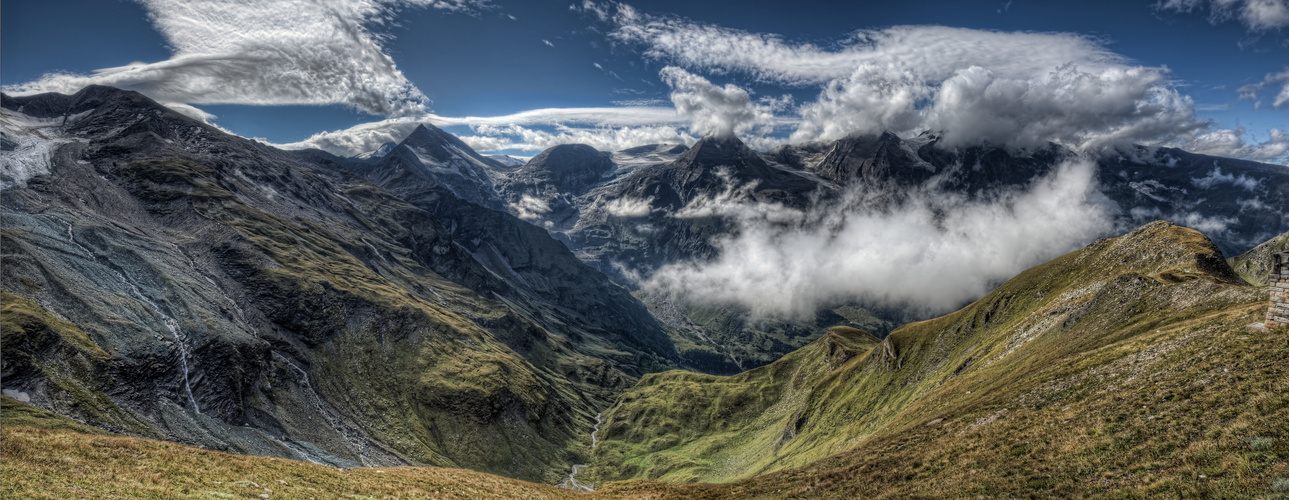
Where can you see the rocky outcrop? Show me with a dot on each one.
(235, 296)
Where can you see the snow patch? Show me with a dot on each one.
(29, 145)
(24, 397)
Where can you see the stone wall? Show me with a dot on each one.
(1278, 314)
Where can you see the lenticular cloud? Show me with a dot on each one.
(266, 53)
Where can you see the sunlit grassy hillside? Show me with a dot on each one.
(1123, 365)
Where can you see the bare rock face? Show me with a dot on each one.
(545, 189)
(165, 279)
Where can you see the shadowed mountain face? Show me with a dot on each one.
(1238, 203)
(168, 280)
(431, 156)
(541, 278)
(547, 186)
(665, 210)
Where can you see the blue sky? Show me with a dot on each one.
(460, 59)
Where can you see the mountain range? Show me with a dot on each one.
(423, 304)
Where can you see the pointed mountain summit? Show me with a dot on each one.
(713, 166)
(441, 147)
(873, 159)
(431, 155)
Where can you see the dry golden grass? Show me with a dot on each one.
(39, 463)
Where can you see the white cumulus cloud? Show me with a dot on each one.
(1019, 89)
(1231, 143)
(713, 109)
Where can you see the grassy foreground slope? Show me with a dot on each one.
(50, 456)
(1122, 365)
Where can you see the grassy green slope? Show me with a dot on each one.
(1071, 315)
(1255, 265)
(35, 340)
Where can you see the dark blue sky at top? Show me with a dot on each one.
(489, 64)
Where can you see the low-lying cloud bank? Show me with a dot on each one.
(930, 252)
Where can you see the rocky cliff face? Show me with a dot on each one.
(1256, 264)
(165, 279)
(546, 188)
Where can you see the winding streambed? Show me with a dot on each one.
(180, 340)
(571, 481)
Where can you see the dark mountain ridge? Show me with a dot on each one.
(177, 282)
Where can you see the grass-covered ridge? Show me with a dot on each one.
(1124, 370)
(1077, 313)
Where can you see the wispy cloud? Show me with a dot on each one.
(268, 53)
(1277, 82)
(608, 128)
(1256, 15)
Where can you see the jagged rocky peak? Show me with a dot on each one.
(721, 150)
(436, 147)
(91, 97)
(432, 155)
(437, 144)
(107, 104)
(873, 158)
